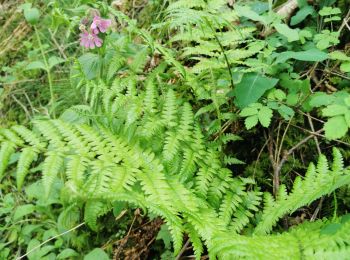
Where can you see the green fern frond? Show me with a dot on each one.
(6, 150)
(169, 115)
(93, 210)
(51, 168)
(318, 182)
(195, 240)
(28, 155)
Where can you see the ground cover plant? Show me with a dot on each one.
(174, 129)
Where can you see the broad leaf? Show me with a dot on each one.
(32, 15)
(336, 127)
(36, 65)
(97, 253)
(90, 64)
(292, 35)
(22, 211)
(309, 55)
(53, 61)
(301, 15)
(251, 88)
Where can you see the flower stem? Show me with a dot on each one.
(52, 97)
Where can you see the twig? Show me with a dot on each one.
(183, 249)
(48, 240)
(313, 130)
(345, 22)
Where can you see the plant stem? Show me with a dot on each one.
(52, 98)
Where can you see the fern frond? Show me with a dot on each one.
(318, 182)
(6, 150)
(195, 240)
(26, 158)
(93, 210)
(51, 168)
(169, 115)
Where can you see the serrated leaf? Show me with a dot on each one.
(291, 34)
(251, 88)
(264, 116)
(345, 67)
(321, 99)
(347, 119)
(248, 111)
(334, 110)
(339, 55)
(335, 128)
(251, 121)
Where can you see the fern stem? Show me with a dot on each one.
(223, 52)
(52, 98)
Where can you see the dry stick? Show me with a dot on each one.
(319, 206)
(345, 22)
(278, 166)
(313, 130)
(291, 150)
(48, 240)
(183, 249)
(320, 135)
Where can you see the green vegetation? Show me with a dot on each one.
(175, 129)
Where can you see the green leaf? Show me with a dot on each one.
(339, 55)
(301, 15)
(329, 11)
(321, 99)
(251, 88)
(165, 235)
(66, 253)
(97, 253)
(54, 60)
(291, 34)
(248, 111)
(330, 229)
(347, 119)
(22, 211)
(247, 12)
(333, 18)
(91, 65)
(265, 115)
(36, 65)
(251, 121)
(32, 15)
(286, 112)
(335, 128)
(345, 67)
(309, 55)
(334, 110)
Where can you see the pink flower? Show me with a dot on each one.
(100, 24)
(89, 40)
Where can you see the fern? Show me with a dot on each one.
(318, 182)
(28, 155)
(6, 150)
(306, 241)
